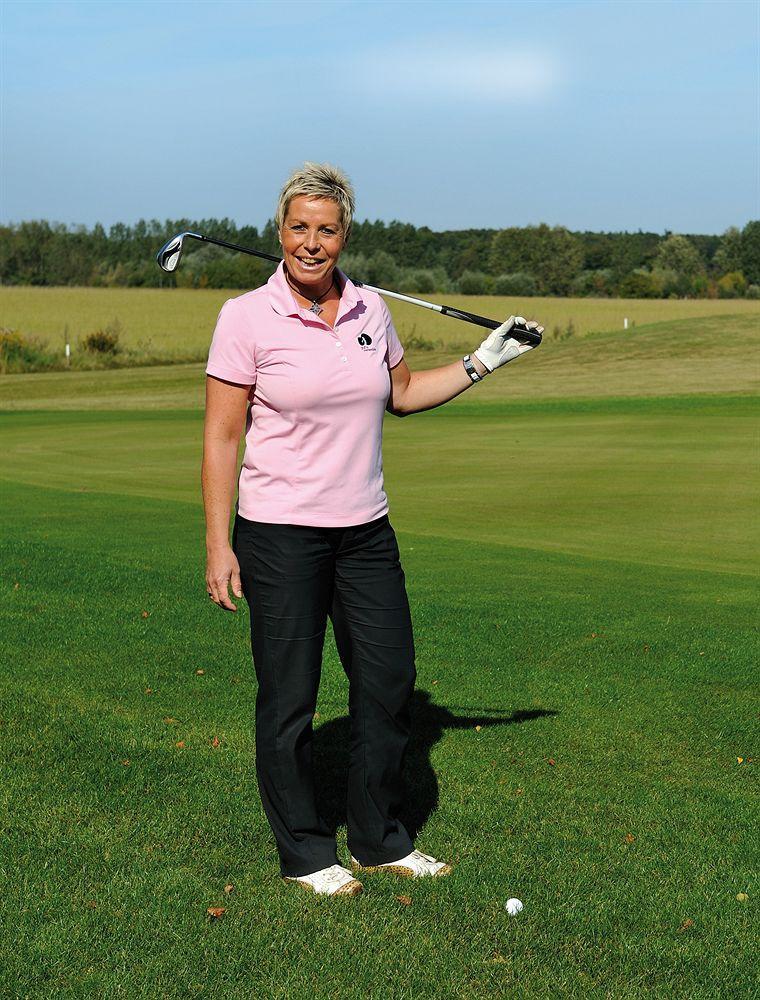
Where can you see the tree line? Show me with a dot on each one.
(517, 261)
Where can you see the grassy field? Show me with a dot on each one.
(580, 540)
(178, 323)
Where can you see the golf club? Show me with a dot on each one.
(170, 254)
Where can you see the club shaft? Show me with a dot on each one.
(467, 317)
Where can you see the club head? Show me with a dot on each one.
(170, 254)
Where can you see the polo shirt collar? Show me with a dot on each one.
(283, 302)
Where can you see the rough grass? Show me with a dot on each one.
(582, 575)
(178, 323)
(681, 357)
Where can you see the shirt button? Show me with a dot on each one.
(344, 359)
(338, 343)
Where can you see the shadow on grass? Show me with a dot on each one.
(331, 747)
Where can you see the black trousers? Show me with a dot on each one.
(293, 576)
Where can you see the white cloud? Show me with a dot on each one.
(438, 70)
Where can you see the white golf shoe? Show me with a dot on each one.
(333, 881)
(414, 865)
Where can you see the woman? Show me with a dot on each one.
(309, 363)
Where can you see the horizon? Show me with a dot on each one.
(80, 226)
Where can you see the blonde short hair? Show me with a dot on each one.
(319, 180)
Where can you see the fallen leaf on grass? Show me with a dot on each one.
(126, 762)
(215, 742)
(406, 900)
(145, 614)
(215, 912)
(686, 925)
(629, 838)
(180, 744)
(551, 761)
(199, 672)
(434, 682)
(498, 959)
(519, 791)
(228, 888)
(742, 897)
(90, 903)
(149, 690)
(169, 720)
(740, 760)
(16, 585)
(478, 728)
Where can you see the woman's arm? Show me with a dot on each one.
(226, 405)
(412, 392)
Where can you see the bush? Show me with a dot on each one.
(519, 283)
(412, 342)
(420, 280)
(639, 285)
(474, 283)
(105, 341)
(355, 265)
(596, 283)
(382, 270)
(753, 292)
(559, 334)
(732, 285)
(23, 354)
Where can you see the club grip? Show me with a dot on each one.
(519, 332)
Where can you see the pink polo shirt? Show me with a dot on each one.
(313, 434)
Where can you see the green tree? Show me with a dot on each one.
(382, 270)
(639, 284)
(677, 253)
(750, 252)
(728, 256)
(552, 254)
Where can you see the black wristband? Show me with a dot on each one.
(469, 367)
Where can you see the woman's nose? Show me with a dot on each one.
(312, 242)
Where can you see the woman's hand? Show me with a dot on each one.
(499, 347)
(222, 568)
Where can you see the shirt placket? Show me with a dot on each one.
(339, 346)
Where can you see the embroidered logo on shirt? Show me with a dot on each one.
(364, 340)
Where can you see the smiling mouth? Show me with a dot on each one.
(310, 263)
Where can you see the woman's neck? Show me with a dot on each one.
(309, 292)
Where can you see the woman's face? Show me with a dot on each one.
(311, 232)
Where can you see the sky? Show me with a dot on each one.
(606, 115)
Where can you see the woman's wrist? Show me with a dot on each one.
(215, 542)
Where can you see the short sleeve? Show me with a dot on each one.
(231, 353)
(395, 348)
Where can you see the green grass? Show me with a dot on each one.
(581, 567)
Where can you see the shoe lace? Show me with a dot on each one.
(424, 857)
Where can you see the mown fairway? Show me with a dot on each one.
(179, 323)
(580, 540)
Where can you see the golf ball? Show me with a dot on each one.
(513, 907)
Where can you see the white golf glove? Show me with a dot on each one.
(499, 347)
